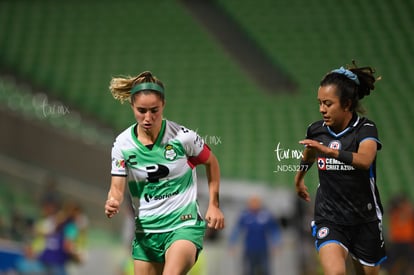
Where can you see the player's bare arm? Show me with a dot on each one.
(115, 196)
(301, 189)
(366, 154)
(214, 216)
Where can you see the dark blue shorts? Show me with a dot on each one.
(365, 242)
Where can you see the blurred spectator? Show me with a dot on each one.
(75, 224)
(401, 236)
(28, 264)
(60, 231)
(261, 235)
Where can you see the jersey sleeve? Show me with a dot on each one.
(313, 129)
(118, 162)
(194, 146)
(368, 131)
(308, 132)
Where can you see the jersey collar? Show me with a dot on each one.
(157, 141)
(352, 124)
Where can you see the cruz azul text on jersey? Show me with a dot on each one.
(332, 164)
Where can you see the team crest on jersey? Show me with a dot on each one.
(170, 152)
(323, 232)
(335, 144)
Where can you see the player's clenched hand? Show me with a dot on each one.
(214, 217)
(111, 207)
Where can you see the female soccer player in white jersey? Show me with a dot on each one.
(155, 159)
(348, 210)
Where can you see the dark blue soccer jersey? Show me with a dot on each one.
(346, 195)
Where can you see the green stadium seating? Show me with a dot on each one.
(72, 49)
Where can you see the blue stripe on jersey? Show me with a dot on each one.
(374, 139)
(372, 181)
(346, 130)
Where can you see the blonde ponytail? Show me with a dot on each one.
(120, 87)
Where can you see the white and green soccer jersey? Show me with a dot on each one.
(162, 179)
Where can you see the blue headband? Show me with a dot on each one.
(347, 73)
(147, 86)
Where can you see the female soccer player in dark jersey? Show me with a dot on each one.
(344, 145)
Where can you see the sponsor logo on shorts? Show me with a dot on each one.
(323, 232)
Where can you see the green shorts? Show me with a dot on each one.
(151, 247)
